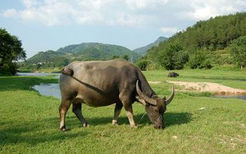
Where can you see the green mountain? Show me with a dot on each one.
(143, 50)
(200, 44)
(44, 57)
(95, 51)
(83, 51)
(213, 34)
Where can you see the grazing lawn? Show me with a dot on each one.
(29, 122)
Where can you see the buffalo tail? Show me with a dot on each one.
(67, 71)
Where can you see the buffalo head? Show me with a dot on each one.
(154, 106)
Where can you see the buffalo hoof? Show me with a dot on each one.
(114, 122)
(63, 129)
(85, 124)
(159, 127)
(134, 126)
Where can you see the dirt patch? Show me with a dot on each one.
(154, 82)
(214, 88)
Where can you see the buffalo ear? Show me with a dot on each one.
(142, 101)
(164, 100)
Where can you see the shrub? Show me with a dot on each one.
(238, 51)
(142, 64)
(9, 68)
(173, 57)
(200, 59)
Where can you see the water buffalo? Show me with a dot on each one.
(173, 74)
(102, 83)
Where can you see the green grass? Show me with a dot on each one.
(235, 79)
(29, 122)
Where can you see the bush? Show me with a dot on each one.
(9, 68)
(180, 59)
(200, 59)
(238, 51)
(173, 57)
(142, 64)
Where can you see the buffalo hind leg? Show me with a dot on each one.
(77, 111)
(117, 110)
(65, 104)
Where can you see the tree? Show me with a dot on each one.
(238, 51)
(173, 57)
(126, 57)
(115, 57)
(200, 59)
(142, 64)
(39, 66)
(10, 51)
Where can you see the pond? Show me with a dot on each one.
(51, 89)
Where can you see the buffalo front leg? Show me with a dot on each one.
(129, 113)
(127, 103)
(117, 110)
(65, 104)
(77, 111)
(128, 107)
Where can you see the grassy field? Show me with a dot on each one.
(195, 124)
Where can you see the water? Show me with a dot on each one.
(56, 75)
(223, 96)
(51, 89)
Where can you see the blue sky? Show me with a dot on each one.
(51, 24)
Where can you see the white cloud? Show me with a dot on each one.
(109, 12)
(145, 4)
(202, 10)
(135, 13)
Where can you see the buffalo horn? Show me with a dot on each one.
(170, 98)
(142, 95)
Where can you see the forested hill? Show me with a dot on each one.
(210, 35)
(83, 51)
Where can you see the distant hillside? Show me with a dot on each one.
(43, 57)
(83, 51)
(143, 50)
(95, 51)
(213, 34)
(199, 44)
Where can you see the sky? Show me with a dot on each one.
(50, 24)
